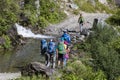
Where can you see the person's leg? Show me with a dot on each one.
(48, 60)
(59, 59)
(81, 27)
(54, 60)
(65, 61)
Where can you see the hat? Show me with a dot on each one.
(51, 39)
(65, 31)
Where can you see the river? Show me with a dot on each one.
(9, 60)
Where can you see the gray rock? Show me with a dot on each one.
(36, 68)
(117, 2)
(73, 6)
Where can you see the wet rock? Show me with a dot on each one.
(36, 68)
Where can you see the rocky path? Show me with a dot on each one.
(71, 24)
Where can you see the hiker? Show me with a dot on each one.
(81, 22)
(60, 52)
(51, 54)
(66, 56)
(43, 46)
(66, 37)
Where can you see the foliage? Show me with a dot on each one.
(8, 14)
(114, 19)
(51, 11)
(42, 22)
(115, 44)
(7, 43)
(102, 8)
(76, 12)
(85, 6)
(79, 71)
(105, 55)
(88, 7)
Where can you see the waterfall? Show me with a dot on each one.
(28, 33)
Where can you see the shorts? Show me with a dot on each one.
(61, 57)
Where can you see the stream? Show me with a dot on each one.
(9, 60)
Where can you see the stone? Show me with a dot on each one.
(73, 6)
(36, 68)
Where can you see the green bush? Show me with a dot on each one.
(114, 19)
(42, 22)
(85, 5)
(103, 8)
(78, 71)
(7, 43)
(51, 11)
(104, 56)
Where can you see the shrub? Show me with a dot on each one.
(7, 43)
(104, 56)
(42, 22)
(81, 72)
(114, 19)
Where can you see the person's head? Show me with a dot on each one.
(65, 31)
(80, 14)
(51, 40)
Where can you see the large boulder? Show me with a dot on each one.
(36, 68)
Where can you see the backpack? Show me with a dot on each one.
(80, 20)
(51, 47)
(61, 48)
(43, 44)
(66, 38)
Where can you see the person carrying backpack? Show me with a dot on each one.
(43, 46)
(61, 50)
(81, 22)
(51, 53)
(66, 37)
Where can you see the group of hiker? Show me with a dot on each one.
(56, 51)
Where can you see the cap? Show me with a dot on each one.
(65, 31)
(51, 39)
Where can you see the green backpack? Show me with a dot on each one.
(61, 48)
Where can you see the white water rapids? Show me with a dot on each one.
(28, 33)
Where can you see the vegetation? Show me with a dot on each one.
(10, 14)
(114, 19)
(104, 51)
(87, 6)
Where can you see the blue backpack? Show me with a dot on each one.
(66, 37)
(43, 44)
(51, 47)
